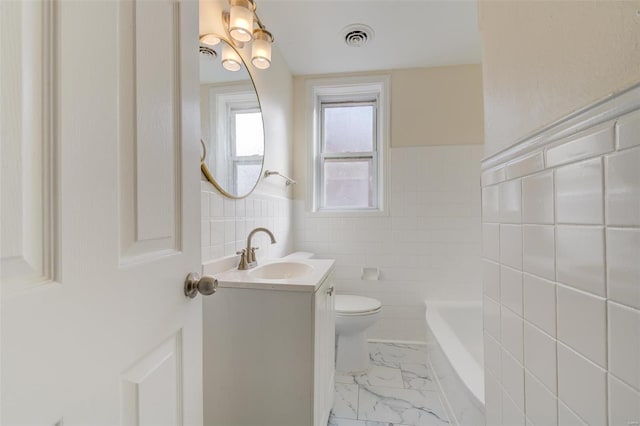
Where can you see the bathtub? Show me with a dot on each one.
(456, 355)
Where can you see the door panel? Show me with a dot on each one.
(27, 174)
(114, 170)
(149, 117)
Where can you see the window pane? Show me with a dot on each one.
(348, 183)
(246, 177)
(249, 134)
(348, 128)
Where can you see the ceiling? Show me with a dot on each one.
(408, 33)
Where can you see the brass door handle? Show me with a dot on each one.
(194, 284)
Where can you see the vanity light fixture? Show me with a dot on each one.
(243, 26)
(230, 59)
(209, 39)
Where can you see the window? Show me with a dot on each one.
(349, 145)
(247, 147)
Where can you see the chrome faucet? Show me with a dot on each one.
(248, 255)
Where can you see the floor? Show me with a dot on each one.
(398, 390)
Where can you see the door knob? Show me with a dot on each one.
(330, 291)
(194, 284)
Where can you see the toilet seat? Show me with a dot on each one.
(356, 305)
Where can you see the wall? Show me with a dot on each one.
(561, 242)
(225, 222)
(427, 104)
(544, 59)
(427, 248)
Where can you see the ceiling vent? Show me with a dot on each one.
(357, 35)
(208, 52)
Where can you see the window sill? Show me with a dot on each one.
(347, 213)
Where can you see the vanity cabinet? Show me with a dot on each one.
(269, 355)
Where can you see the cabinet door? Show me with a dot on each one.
(324, 351)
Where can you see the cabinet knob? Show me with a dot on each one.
(330, 291)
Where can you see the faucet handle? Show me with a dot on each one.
(251, 256)
(243, 265)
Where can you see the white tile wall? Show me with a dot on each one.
(623, 267)
(540, 303)
(538, 250)
(537, 198)
(580, 257)
(226, 224)
(541, 405)
(579, 193)
(540, 356)
(428, 247)
(576, 240)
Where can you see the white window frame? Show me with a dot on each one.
(344, 89)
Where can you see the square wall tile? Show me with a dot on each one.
(511, 414)
(492, 401)
(511, 245)
(540, 303)
(566, 417)
(582, 386)
(216, 206)
(624, 343)
(511, 289)
(624, 404)
(628, 130)
(538, 250)
(582, 323)
(540, 356)
(538, 199)
(511, 333)
(513, 379)
(622, 188)
(511, 201)
(491, 241)
(491, 279)
(491, 317)
(541, 405)
(491, 203)
(579, 193)
(580, 257)
(623, 267)
(492, 355)
(204, 205)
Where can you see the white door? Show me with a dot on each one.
(100, 209)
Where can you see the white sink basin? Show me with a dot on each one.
(281, 270)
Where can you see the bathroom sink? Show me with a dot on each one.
(281, 270)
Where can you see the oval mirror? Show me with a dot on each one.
(231, 117)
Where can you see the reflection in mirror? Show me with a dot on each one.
(231, 118)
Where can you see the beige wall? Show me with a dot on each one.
(437, 106)
(429, 106)
(275, 90)
(545, 59)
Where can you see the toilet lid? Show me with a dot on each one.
(356, 304)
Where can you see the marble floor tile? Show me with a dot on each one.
(381, 376)
(417, 376)
(336, 421)
(345, 403)
(392, 354)
(401, 406)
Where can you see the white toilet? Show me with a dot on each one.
(354, 315)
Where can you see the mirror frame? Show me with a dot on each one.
(203, 164)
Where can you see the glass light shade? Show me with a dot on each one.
(261, 49)
(230, 59)
(210, 39)
(241, 21)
